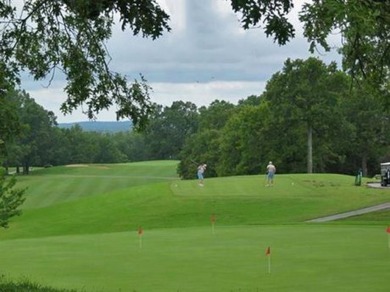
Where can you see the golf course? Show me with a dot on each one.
(139, 227)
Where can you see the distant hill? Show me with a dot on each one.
(96, 126)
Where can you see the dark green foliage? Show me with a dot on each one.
(309, 119)
(169, 129)
(25, 285)
(10, 199)
(30, 144)
(50, 36)
(271, 12)
(202, 147)
(10, 125)
(365, 30)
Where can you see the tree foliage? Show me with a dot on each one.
(35, 136)
(45, 38)
(273, 13)
(305, 94)
(346, 126)
(169, 128)
(10, 199)
(364, 27)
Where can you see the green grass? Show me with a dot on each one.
(79, 231)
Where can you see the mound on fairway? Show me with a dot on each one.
(79, 231)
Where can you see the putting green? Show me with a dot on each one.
(79, 230)
(303, 258)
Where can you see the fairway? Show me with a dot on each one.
(79, 230)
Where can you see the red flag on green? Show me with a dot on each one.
(268, 251)
(388, 230)
(213, 218)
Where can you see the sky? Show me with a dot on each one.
(206, 56)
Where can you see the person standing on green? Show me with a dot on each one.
(200, 173)
(271, 169)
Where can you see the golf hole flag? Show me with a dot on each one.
(140, 233)
(268, 254)
(388, 235)
(268, 251)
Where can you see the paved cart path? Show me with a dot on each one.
(380, 207)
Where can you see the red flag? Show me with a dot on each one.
(213, 218)
(268, 251)
(140, 231)
(388, 230)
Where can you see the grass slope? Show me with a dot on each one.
(78, 230)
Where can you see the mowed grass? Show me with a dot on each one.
(79, 230)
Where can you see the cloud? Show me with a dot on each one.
(206, 56)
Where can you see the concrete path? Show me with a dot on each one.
(380, 207)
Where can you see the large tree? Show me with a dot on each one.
(305, 94)
(10, 199)
(45, 37)
(362, 25)
(364, 28)
(169, 128)
(203, 146)
(368, 124)
(33, 142)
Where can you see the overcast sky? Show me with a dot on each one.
(206, 56)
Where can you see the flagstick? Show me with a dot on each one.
(140, 233)
(268, 255)
(388, 235)
(269, 264)
(213, 219)
(388, 239)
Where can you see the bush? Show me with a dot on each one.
(24, 285)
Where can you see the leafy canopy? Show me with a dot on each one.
(10, 199)
(44, 37)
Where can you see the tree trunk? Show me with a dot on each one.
(309, 149)
(26, 169)
(364, 165)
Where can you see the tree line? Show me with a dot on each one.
(308, 119)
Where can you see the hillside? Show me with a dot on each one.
(100, 126)
(80, 229)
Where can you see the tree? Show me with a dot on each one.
(305, 94)
(133, 145)
(9, 120)
(33, 142)
(204, 145)
(215, 115)
(108, 150)
(169, 129)
(44, 37)
(10, 199)
(369, 124)
(364, 27)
